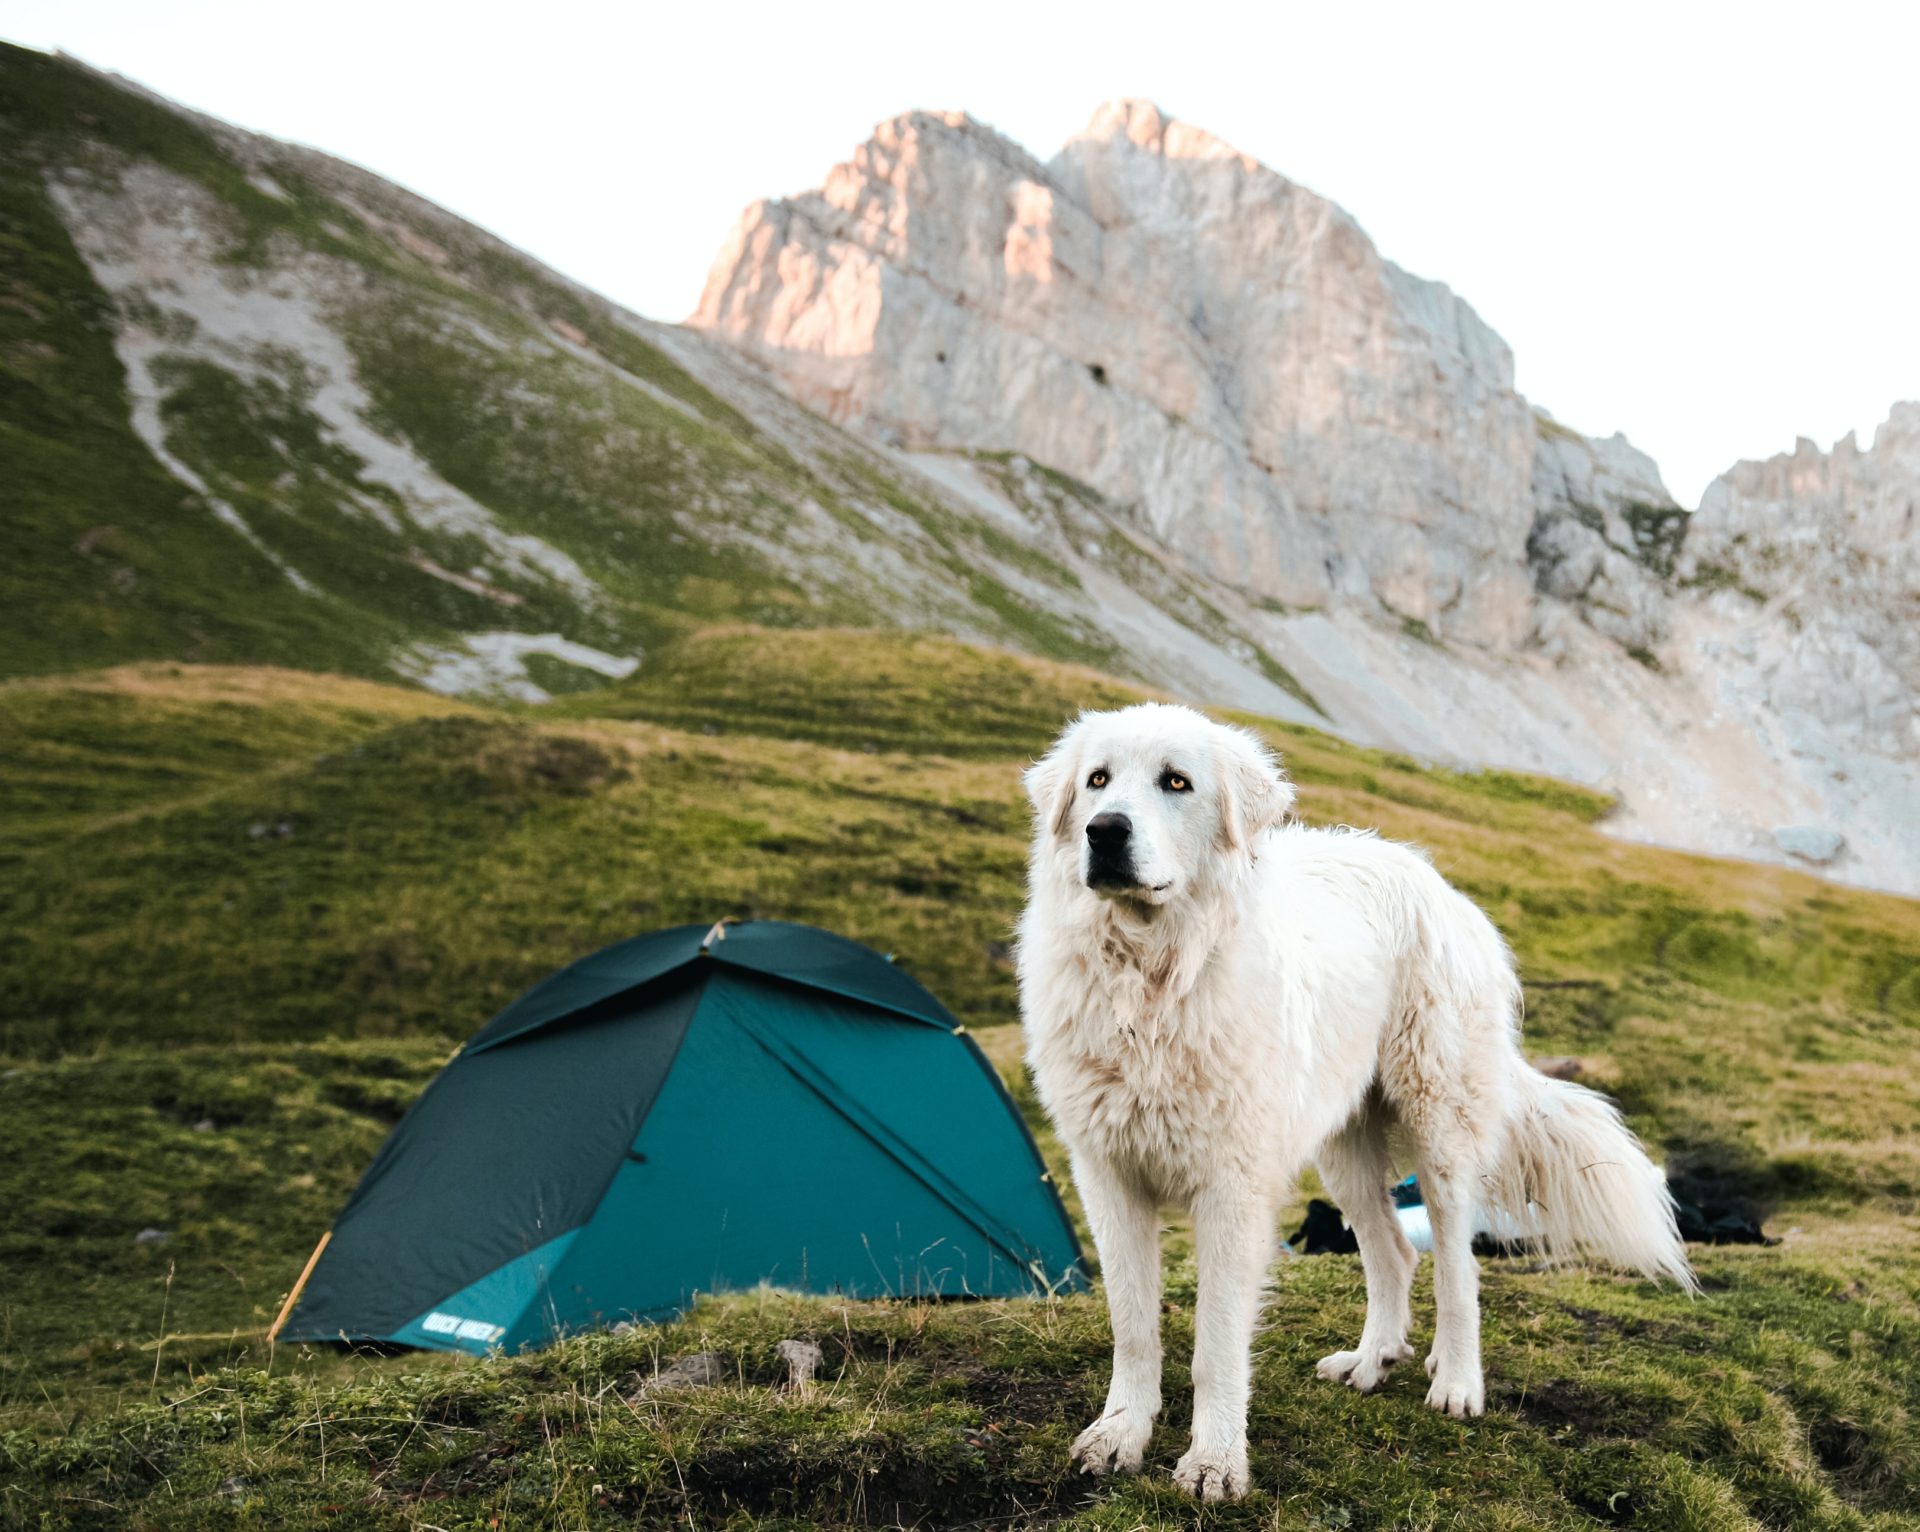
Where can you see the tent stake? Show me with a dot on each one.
(298, 1288)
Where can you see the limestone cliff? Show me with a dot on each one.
(1337, 447)
(1174, 324)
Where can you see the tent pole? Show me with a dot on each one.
(298, 1288)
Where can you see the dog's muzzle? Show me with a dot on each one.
(1110, 852)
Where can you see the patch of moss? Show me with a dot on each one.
(1657, 531)
(1710, 576)
(1416, 629)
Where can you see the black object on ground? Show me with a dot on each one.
(1324, 1233)
(1711, 1203)
(1712, 1210)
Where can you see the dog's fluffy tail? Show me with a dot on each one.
(1575, 1179)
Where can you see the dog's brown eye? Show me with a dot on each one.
(1173, 782)
(1098, 779)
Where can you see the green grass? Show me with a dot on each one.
(235, 1153)
(109, 557)
(247, 913)
(855, 691)
(1764, 1404)
(1710, 576)
(1417, 630)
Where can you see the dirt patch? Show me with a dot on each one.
(1597, 1325)
(480, 759)
(557, 764)
(944, 1480)
(1839, 1444)
(1560, 1404)
(384, 1101)
(1006, 1399)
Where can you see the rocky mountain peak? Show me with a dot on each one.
(1225, 358)
(1851, 499)
(1813, 559)
(1173, 324)
(1147, 128)
(1139, 121)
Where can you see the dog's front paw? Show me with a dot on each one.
(1365, 1369)
(1113, 1444)
(1459, 1393)
(1213, 1473)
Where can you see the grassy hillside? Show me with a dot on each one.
(395, 446)
(245, 913)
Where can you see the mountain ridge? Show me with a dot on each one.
(495, 482)
(1202, 340)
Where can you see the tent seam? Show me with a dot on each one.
(956, 1200)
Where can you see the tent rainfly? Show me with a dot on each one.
(692, 1111)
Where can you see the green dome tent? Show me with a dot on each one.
(692, 1111)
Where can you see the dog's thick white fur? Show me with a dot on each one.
(1213, 997)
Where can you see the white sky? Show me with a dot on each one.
(1694, 223)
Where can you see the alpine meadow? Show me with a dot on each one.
(386, 622)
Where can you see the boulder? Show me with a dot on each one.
(1811, 843)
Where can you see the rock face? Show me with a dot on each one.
(1810, 843)
(1177, 326)
(1337, 448)
(1802, 613)
(1606, 533)
(1813, 560)
(1199, 338)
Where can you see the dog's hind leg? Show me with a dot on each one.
(1355, 1166)
(1126, 1232)
(1449, 1185)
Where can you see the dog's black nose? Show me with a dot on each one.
(1109, 832)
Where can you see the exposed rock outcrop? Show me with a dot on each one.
(1811, 560)
(1172, 323)
(1606, 533)
(1337, 448)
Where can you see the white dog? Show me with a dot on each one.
(1212, 999)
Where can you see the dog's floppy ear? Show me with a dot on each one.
(1050, 782)
(1254, 794)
